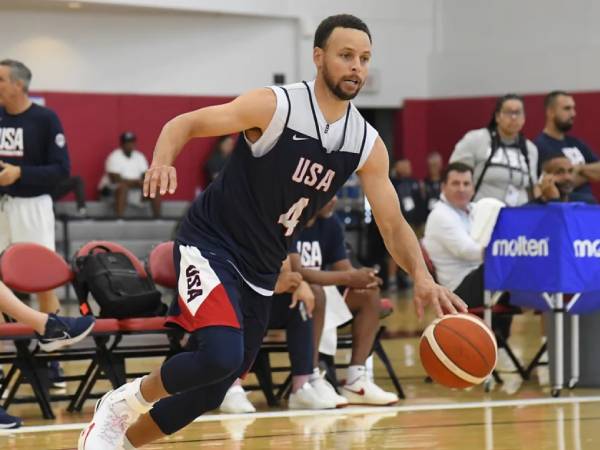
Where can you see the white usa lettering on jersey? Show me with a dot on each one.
(310, 254)
(574, 155)
(11, 142)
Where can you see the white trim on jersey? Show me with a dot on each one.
(302, 120)
(269, 138)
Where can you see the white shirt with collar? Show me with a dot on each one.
(448, 241)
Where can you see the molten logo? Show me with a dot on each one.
(521, 246)
(586, 248)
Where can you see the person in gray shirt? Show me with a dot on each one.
(503, 160)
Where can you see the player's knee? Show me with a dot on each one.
(373, 299)
(227, 355)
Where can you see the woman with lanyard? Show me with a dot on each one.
(503, 160)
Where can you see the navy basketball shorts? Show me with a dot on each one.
(211, 293)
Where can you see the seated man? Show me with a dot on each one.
(53, 332)
(125, 168)
(448, 240)
(557, 181)
(321, 244)
(322, 260)
(456, 255)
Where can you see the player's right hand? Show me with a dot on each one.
(160, 179)
(364, 278)
(305, 295)
(287, 282)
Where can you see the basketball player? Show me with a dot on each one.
(299, 144)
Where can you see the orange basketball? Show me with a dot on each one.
(458, 350)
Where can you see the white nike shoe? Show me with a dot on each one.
(327, 391)
(364, 392)
(307, 398)
(236, 402)
(115, 412)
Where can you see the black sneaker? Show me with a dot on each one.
(55, 375)
(63, 331)
(7, 421)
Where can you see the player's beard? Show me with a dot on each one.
(563, 126)
(565, 188)
(336, 88)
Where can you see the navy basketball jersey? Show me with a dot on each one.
(269, 189)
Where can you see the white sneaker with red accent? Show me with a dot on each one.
(363, 391)
(307, 398)
(327, 391)
(236, 402)
(115, 412)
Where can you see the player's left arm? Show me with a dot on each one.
(399, 238)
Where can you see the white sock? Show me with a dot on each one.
(354, 373)
(140, 398)
(126, 444)
(315, 375)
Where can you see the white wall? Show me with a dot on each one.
(205, 47)
(149, 52)
(484, 47)
(422, 48)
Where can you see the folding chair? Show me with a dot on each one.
(32, 268)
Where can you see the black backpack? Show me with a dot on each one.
(115, 285)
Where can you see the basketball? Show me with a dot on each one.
(458, 351)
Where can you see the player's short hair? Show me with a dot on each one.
(456, 167)
(550, 99)
(18, 71)
(327, 26)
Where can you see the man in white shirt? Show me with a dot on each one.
(447, 239)
(457, 257)
(125, 168)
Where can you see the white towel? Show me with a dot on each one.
(336, 314)
(484, 215)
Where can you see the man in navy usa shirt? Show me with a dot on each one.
(554, 141)
(321, 258)
(33, 158)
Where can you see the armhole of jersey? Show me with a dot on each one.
(369, 138)
(278, 123)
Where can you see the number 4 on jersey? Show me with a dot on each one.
(290, 219)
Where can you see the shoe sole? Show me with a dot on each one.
(374, 404)
(84, 433)
(55, 345)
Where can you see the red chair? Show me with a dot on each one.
(161, 266)
(32, 268)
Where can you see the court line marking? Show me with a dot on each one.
(351, 410)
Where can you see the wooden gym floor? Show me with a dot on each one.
(514, 415)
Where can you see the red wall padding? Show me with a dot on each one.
(438, 124)
(93, 123)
